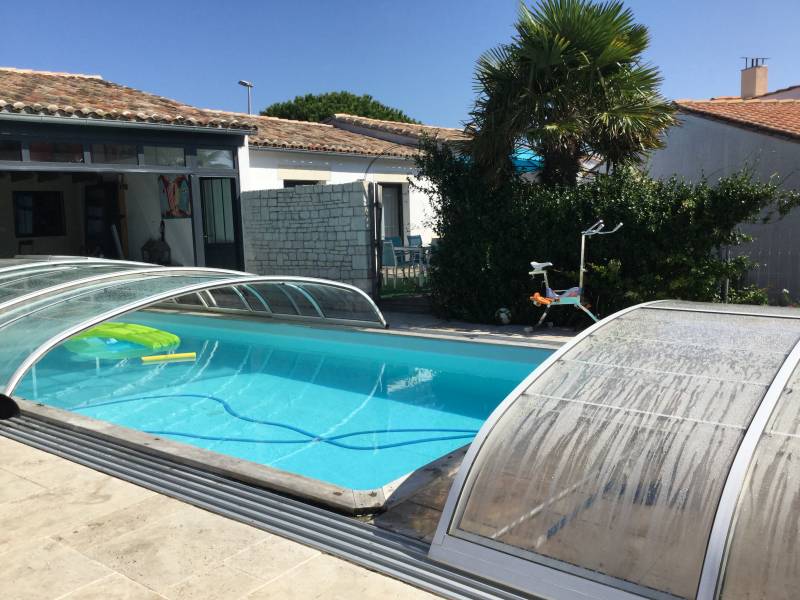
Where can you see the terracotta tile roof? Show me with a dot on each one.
(70, 95)
(272, 132)
(404, 129)
(779, 117)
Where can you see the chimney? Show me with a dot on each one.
(754, 77)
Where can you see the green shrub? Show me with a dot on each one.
(671, 246)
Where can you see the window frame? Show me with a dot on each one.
(298, 183)
(204, 168)
(19, 150)
(143, 162)
(17, 195)
(93, 145)
(56, 143)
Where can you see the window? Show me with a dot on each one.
(39, 214)
(164, 156)
(10, 151)
(56, 152)
(214, 157)
(290, 183)
(392, 199)
(115, 154)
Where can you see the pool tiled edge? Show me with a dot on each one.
(341, 499)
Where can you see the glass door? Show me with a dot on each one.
(392, 201)
(220, 222)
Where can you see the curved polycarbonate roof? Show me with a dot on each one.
(619, 467)
(44, 302)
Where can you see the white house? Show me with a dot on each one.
(284, 153)
(760, 131)
(89, 166)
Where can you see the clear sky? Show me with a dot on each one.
(417, 55)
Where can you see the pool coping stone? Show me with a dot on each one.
(341, 499)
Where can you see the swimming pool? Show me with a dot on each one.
(346, 407)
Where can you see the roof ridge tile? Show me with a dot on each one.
(52, 73)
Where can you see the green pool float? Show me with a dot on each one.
(116, 341)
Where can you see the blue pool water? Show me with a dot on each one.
(351, 408)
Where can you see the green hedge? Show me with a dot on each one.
(671, 245)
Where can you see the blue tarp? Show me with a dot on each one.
(526, 161)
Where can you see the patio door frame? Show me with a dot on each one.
(197, 218)
(400, 214)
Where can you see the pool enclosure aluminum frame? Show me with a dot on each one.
(546, 577)
(235, 279)
(333, 496)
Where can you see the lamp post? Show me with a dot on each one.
(249, 87)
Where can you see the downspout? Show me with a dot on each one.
(375, 257)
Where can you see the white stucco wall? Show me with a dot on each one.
(262, 169)
(703, 146)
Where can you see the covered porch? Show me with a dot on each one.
(168, 196)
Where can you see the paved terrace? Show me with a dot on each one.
(68, 532)
(428, 325)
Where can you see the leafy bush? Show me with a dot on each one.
(671, 245)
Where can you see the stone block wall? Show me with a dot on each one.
(314, 231)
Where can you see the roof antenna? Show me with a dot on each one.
(754, 61)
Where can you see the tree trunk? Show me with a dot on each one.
(561, 166)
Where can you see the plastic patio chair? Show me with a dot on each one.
(415, 241)
(403, 257)
(416, 257)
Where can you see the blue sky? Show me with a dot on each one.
(417, 55)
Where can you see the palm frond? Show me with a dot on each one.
(572, 82)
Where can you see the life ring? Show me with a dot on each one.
(116, 341)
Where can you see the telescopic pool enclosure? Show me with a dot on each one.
(44, 302)
(656, 455)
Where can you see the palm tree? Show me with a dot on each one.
(571, 86)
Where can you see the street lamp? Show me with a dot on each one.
(249, 87)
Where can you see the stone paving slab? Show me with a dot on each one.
(68, 532)
(428, 325)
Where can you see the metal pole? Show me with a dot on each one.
(249, 86)
(727, 286)
(580, 275)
